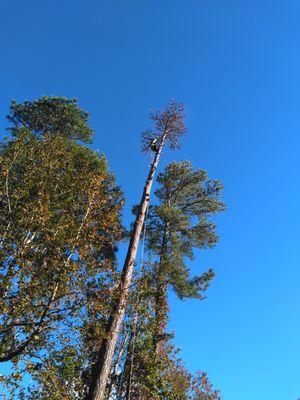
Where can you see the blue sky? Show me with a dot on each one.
(235, 65)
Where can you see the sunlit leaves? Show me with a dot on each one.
(59, 220)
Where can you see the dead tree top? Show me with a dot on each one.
(170, 122)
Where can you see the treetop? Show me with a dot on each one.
(169, 125)
(50, 116)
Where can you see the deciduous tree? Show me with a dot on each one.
(59, 222)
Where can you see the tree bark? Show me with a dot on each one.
(130, 369)
(161, 302)
(103, 362)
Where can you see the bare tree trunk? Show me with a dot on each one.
(103, 362)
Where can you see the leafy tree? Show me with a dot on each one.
(144, 373)
(59, 222)
(203, 389)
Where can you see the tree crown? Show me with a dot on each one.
(181, 222)
(50, 116)
(169, 126)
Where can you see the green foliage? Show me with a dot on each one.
(59, 377)
(202, 388)
(59, 224)
(50, 116)
(59, 221)
(156, 373)
(181, 222)
(177, 225)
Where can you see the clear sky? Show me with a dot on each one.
(235, 64)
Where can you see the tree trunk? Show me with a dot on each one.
(130, 369)
(103, 362)
(161, 301)
(161, 308)
(116, 366)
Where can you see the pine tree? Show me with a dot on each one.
(169, 127)
(179, 223)
(144, 374)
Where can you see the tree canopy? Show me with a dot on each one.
(50, 116)
(60, 285)
(59, 222)
(177, 224)
(181, 222)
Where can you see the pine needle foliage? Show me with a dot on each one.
(50, 116)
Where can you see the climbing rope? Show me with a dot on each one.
(144, 239)
(135, 320)
(136, 314)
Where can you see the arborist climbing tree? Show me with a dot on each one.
(168, 128)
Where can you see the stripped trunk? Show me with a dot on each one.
(103, 362)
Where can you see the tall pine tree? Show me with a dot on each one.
(176, 226)
(168, 129)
